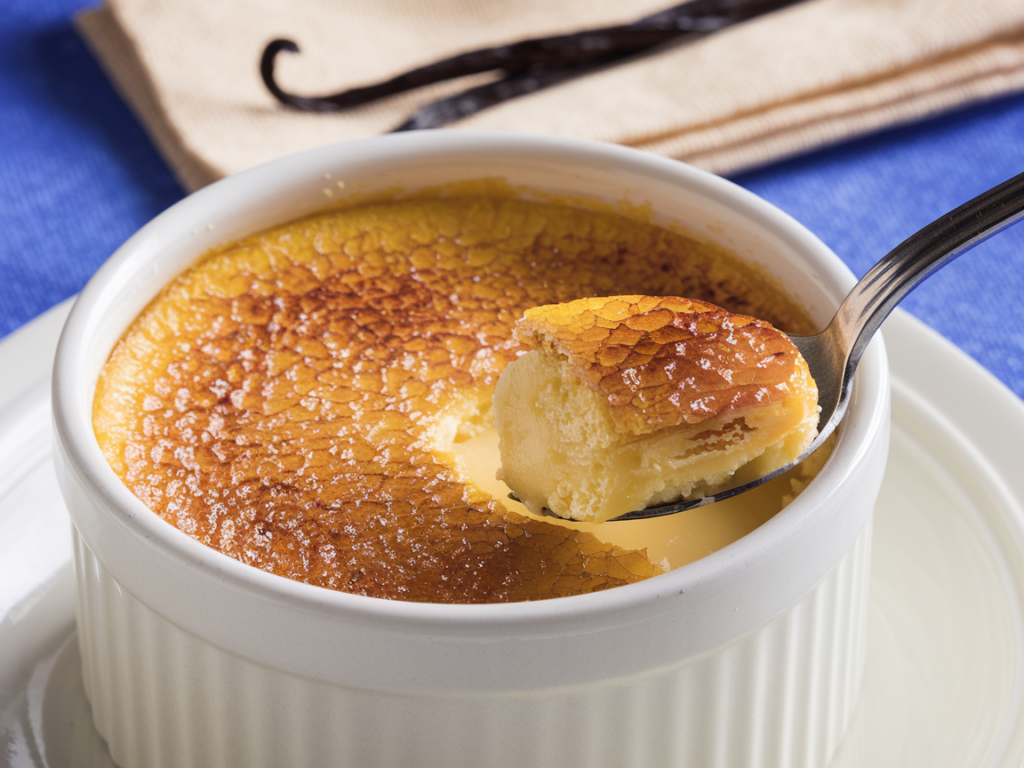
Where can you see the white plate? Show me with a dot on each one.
(944, 682)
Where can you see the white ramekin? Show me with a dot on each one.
(750, 656)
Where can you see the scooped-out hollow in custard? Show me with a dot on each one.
(626, 402)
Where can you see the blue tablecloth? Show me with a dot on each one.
(78, 175)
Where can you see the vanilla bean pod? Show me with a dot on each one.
(566, 49)
(460, 105)
(528, 65)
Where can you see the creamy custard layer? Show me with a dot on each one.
(313, 400)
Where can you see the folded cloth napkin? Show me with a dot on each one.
(812, 74)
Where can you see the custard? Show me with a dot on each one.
(314, 400)
(626, 402)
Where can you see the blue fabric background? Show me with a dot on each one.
(78, 175)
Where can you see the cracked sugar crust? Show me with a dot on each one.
(279, 401)
(665, 361)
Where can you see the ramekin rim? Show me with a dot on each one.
(79, 443)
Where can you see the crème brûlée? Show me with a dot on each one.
(626, 402)
(314, 400)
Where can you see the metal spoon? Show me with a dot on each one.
(833, 354)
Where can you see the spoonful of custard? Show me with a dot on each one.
(628, 407)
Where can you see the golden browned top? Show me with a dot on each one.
(275, 401)
(665, 361)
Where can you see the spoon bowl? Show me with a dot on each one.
(833, 354)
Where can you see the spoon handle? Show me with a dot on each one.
(899, 272)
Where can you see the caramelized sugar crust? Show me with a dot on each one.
(665, 361)
(279, 402)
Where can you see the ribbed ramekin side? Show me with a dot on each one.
(781, 696)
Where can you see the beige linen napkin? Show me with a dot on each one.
(809, 75)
